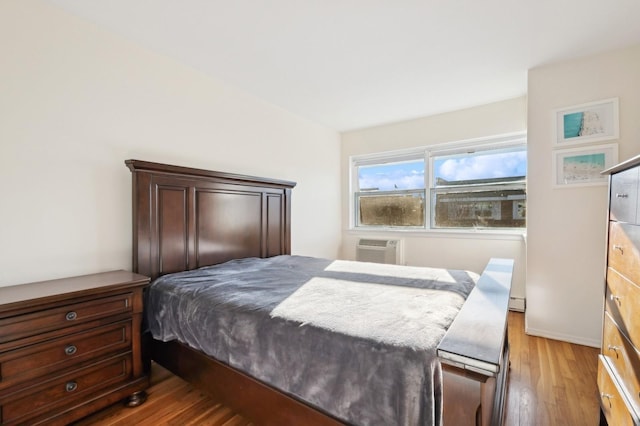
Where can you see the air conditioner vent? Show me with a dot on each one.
(378, 251)
(375, 243)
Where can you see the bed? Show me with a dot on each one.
(185, 220)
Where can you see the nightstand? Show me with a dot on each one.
(70, 347)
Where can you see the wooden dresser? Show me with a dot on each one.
(70, 347)
(619, 360)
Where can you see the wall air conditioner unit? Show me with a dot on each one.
(378, 251)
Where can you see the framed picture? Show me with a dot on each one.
(582, 166)
(592, 122)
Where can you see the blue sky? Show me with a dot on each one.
(410, 175)
(407, 175)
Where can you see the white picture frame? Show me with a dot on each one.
(575, 167)
(586, 123)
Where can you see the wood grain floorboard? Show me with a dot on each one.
(550, 383)
(170, 401)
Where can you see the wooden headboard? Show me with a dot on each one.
(185, 218)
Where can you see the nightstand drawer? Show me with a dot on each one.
(623, 304)
(53, 355)
(21, 406)
(624, 250)
(623, 357)
(65, 316)
(613, 405)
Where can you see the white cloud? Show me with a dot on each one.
(483, 166)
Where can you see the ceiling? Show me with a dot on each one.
(351, 64)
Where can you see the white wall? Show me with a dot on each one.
(567, 227)
(462, 251)
(75, 102)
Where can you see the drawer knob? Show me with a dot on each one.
(71, 316)
(70, 350)
(615, 298)
(606, 396)
(622, 195)
(617, 247)
(71, 386)
(615, 349)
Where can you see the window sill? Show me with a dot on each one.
(487, 234)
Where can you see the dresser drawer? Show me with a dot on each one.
(19, 407)
(64, 352)
(624, 250)
(20, 326)
(624, 196)
(623, 304)
(613, 405)
(624, 357)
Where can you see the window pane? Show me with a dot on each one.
(392, 176)
(391, 210)
(489, 208)
(481, 186)
(478, 167)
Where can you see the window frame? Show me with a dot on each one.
(428, 153)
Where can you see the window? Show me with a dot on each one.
(391, 194)
(480, 185)
(479, 189)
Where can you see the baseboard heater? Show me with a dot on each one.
(517, 304)
(378, 251)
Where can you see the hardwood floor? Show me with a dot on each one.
(551, 383)
(171, 401)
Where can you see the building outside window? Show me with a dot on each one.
(468, 185)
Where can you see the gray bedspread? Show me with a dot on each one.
(356, 340)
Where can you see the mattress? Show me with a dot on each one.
(356, 340)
